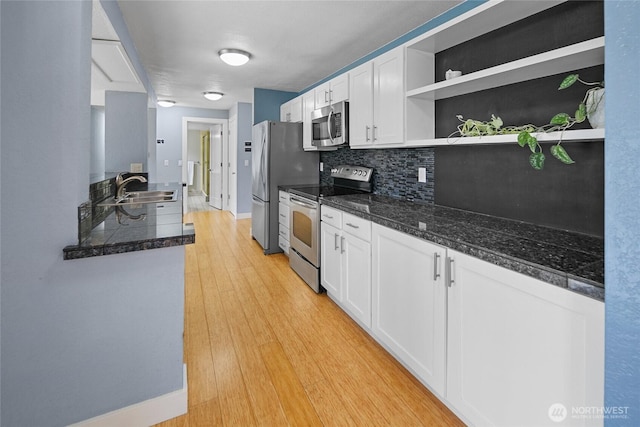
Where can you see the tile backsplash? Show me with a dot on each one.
(395, 170)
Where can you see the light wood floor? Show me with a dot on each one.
(262, 348)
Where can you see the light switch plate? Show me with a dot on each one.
(422, 174)
(166, 162)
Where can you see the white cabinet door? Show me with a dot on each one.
(331, 260)
(285, 112)
(409, 302)
(295, 106)
(335, 90)
(376, 101)
(388, 97)
(517, 346)
(322, 95)
(339, 90)
(308, 105)
(357, 278)
(361, 105)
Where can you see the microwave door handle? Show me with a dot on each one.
(329, 125)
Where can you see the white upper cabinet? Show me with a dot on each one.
(308, 105)
(335, 90)
(291, 111)
(376, 102)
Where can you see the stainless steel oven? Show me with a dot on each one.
(304, 218)
(304, 228)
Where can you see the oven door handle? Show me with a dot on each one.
(302, 203)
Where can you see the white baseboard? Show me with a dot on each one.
(144, 414)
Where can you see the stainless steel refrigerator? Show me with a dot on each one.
(277, 158)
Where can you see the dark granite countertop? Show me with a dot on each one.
(565, 259)
(136, 228)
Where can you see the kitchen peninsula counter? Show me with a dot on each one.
(569, 260)
(134, 228)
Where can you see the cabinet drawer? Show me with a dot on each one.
(356, 226)
(283, 197)
(283, 231)
(284, 244)
(283, 215)
(331, 216)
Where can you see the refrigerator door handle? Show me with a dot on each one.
(262, 157)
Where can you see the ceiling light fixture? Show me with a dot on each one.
(213, 96)
(234, 57)
(166, 103)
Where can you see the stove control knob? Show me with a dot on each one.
(355, 172)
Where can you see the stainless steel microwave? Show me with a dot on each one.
(330, 125)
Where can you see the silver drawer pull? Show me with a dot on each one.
(352, 225)
(327, 216)
(436, 263)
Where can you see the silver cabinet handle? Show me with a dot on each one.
(374, 132)
(436, 258)
(342, 244)
(335, 241)
(366, 133)
(327, 216)
(450, 269)
(352, 226)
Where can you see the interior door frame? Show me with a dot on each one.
(225, 154)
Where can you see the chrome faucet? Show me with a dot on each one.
(121, 183)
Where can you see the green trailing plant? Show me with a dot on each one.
(560, 122)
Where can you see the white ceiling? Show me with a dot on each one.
(294, 44)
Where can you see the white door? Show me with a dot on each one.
(215, 167)
(232, 169)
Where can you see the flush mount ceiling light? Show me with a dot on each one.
(166, 103)
(213, 96)
(234, 57)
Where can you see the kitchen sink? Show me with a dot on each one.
(142, 197)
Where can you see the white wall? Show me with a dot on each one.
(194, 153)
(78, 338)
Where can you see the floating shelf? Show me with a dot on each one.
(565, 59)
(582, 135)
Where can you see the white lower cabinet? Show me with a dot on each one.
(409, 302)
(283, 221)
(345, 269)
(498, 347)
(518, 346)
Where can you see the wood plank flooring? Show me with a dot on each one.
(262, 349)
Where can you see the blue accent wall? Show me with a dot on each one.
(622, 210)
(266, 104)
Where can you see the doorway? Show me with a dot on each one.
(205, 166)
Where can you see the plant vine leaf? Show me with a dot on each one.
(536, 160)
(561, 154)
(581, 113)
(568, 81)
(560, 119)
(525, 138)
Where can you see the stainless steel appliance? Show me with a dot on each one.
(277, 159)
(304, 218)
(330, 125)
